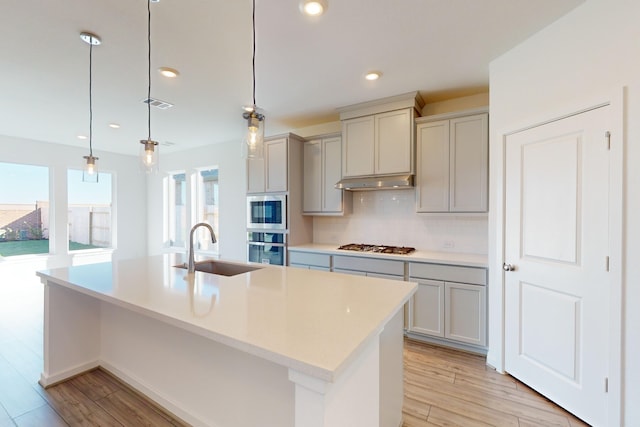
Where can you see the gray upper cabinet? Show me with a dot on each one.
(380, 144)
(394, 142)
(270, 173)
(358, 148)
(322, 170)
(312, 176)
(453, 164)
(378, 137)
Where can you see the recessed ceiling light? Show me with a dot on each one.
(373, 75)
(82, 136)
(169, 72)
(313, 7)
(114, 126)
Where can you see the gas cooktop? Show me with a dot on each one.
(361, 247)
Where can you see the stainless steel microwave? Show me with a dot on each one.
(267, 212)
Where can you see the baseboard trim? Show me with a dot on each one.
(446, 343)
(51, 380)
(146, 392)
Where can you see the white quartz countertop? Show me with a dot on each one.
(310, 321)
(448, 258)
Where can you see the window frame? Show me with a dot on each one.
(170, 224)
(50, 233)
(198, 204)
(112, 215)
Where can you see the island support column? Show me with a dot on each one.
(71, 333)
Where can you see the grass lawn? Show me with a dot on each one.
(26, 247)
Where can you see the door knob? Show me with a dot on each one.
(508, 267)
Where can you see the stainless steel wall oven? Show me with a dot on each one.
(267, 247)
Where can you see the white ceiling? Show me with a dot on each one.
(306, 68)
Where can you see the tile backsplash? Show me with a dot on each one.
(388, 217)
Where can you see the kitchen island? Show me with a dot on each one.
(277, 346)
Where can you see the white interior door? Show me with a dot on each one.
(556, 241)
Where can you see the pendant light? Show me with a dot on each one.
(254, 138)
(90, 171)
(149, 150)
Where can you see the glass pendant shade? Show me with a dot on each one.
(254, 137)
(90, 171)
(149, 156)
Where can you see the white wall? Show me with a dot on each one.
(595, 49)
(456, 104)
(232, 192)
(129, 239)
(389, 217)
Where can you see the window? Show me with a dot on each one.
(24, 209)
(89, 212)
(177, 209)
(206, 207)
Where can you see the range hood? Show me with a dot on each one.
(386, 182)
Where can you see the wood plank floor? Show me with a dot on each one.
(98, 399)
(446, 387)
(443, 387)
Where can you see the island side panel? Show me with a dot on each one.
(350, 401)
(201, 381)
(71, 333)
(392, 371)
(372, 380)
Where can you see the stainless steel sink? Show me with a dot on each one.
(221, 268)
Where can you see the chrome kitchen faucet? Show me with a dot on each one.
(192, 265)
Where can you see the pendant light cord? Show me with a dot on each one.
(254, 53)
(149, 70)
(90, 99)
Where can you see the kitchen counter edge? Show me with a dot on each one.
(445, 258)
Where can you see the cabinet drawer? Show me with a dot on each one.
(386, 276)
(382, 266)
(306, 258)
(352, 272)
(449, 273)
(304, 266)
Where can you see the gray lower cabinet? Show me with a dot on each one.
(310, 261)
(372, 267)
(426, 308)
(450, 303)
(465, 313)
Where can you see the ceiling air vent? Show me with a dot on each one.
(168, 143)
(163, 105)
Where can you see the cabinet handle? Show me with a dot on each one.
(508, 267)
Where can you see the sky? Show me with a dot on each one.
(26, 184)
